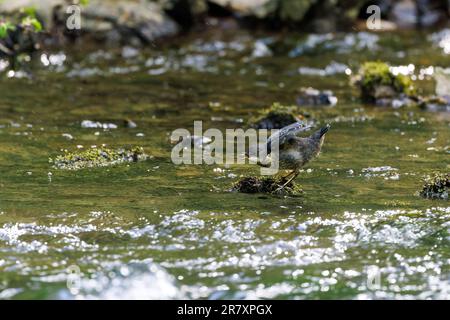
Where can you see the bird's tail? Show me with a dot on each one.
(324, 130)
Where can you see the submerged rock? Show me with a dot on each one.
(314, 97)
(435, 104)
(128, 123)
(266, 184)
(277, 117)
(379, 85)
(98, 157)
(436, 187)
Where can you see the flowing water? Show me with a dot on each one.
(156, 230)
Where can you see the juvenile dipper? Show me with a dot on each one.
(295, 151)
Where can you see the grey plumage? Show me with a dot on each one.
(285, 133)
(294, 151)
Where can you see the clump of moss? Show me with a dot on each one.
(377, 82)
(277, 117)
(266, 184)
(436, 187)
(98, 157)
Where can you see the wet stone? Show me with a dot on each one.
(436, 104)
(313, 97)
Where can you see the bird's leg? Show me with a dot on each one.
(294, 174)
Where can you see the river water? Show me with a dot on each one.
(156, 230)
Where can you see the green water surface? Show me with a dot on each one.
(156, 230)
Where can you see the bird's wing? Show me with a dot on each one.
(286, 133)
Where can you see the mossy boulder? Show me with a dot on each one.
(266, 184)
(436, 187)
(277, 117)
(378, 82)
(98, 157)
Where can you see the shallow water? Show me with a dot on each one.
(156, 230)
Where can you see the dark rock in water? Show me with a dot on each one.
(277, 117)
(129, 124)
(379, 85)
(396, 102)
(436, 187)
(98, 157)
(266, 184)
(435, 104)
(314, 97)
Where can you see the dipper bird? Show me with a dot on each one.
(294, 151)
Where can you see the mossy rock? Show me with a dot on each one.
(277, 117)
(378, 82)
(98, 157)
(266, 184)
(436, 187)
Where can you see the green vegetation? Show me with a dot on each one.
(25, 19)
(5, 27)
(377, 81)
(437, 186)
(98, 157)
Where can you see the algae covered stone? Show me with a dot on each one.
(378, 82)
(266, 184)
(437, 186)
(277, 117)
(98, 157)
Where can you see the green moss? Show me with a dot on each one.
(376, 75)
(277, 117)
(98, 157)
(437, 186)
(266, 184)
